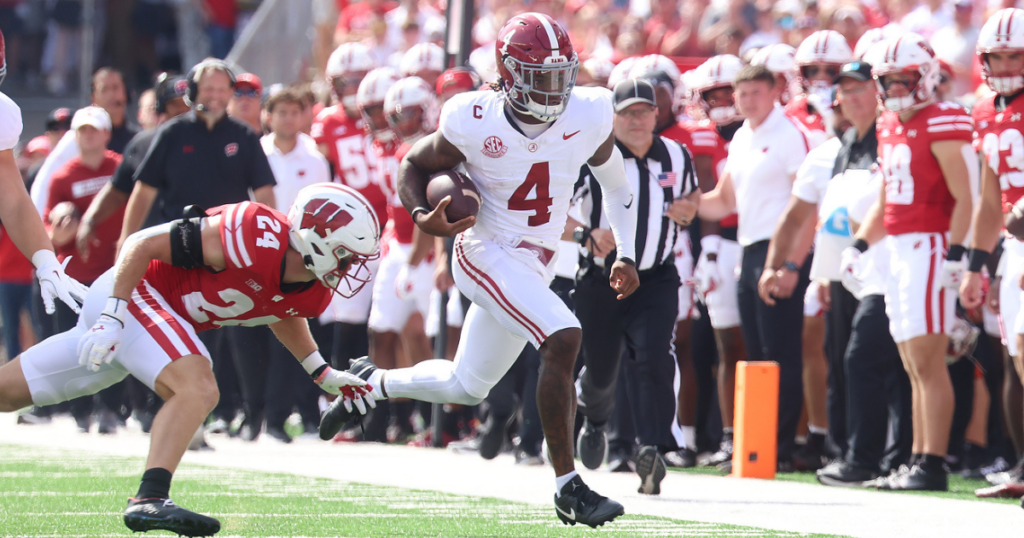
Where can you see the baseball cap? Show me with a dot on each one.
(856, 70)
(58, 118)
(169, 88)
(91, 115)
(250, 80)
(632, 91)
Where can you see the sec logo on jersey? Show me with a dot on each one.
(494, 147)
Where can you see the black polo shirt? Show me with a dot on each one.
(190, 164)
(120, 136)
(134, 153)
(856, 154)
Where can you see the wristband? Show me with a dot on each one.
(977, 259)
(956, 253)
(44, 257)
(314, 365)
(116, 309)
(627, 261)
(860, 245)
(790, 266)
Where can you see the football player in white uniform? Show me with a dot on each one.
(16, 206)
(523, 145)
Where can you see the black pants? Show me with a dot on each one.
(775, 333)
(644, 325)
(838, 328)
(249, 351)
(289, 387)
(878, 392)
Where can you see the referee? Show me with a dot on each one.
(660, 173)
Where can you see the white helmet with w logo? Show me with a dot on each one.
(370, 101)
(780, 59)
(411, 108)
(911, 54)
(1003, 32)
(336, 231)
(718, 72)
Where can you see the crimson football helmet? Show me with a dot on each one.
(336, 231)
(910, 54)
(457, 80)
(537, 65)
(1003, 32)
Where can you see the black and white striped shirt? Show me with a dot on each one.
(668, 168)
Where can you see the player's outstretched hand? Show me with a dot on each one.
(623, 279)
(971, 292)
(350, 387)
(54, 283)
(436, 222)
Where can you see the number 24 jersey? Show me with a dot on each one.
(917, 199)
(248, 292)
(525, 184)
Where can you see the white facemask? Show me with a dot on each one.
(1007, 85)
(723, 115)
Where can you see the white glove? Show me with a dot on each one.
(404, 283)
(706, 275)
(953, 273)
(851, 267)
(54, 283)
(99, 344)
(350, 387)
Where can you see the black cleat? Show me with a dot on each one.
(917, 479)
(724, 453)
(577, 503)
(336, 416)
(143, 515)
(841, 474)
(684, 458)
(592, 444)
(650, 466)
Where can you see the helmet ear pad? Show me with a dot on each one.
(193, 82)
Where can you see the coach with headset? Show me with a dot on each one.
(206, 158)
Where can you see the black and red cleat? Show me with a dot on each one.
(143, 515)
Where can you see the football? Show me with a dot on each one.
(465, 196)
(64, 209)
(1014, 220)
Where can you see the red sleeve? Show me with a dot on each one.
(949, 123)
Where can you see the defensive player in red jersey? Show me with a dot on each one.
(240, 264)
(819, 58)
(925, 209)
(999, 127)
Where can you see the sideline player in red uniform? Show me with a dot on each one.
(240, 264)
(819, 58)
(925, 210)
(999, 124)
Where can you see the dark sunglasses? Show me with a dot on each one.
(813, 70)
(251, 92)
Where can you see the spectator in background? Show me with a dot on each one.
(63, 41)
(766, 33)
(928, 17)
(147, 116)
(354, 23)
(245, 102)
(734, 19)
(954, 44)
(221, 17)
(944, 90)
(409, 13)
(15, 293)
(58, 122)
(847, 19)
(190, 21)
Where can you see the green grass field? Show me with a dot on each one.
(61, 494)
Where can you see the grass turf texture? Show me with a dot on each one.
(959, 487)
(64, 494)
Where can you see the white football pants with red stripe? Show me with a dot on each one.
(153, 337)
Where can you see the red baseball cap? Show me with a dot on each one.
(250, 80)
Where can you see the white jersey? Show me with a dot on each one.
(10, 123)
(525, 184)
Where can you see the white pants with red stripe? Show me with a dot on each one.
(153, 337)
(684, 266)
(512, 305)
(812, 306)
(914, 301)
(1011, 295)
(723, 303)
(389, 312)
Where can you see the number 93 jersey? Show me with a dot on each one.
(916, 196)
(999, 138)
(248, 292)
(525, 184)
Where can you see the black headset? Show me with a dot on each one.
(193, 84)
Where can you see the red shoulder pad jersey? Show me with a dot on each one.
(703, 140)
(798, 109)
(348, 150)
(999, 137)
(916, 196)
(399, 224)
(248, 292)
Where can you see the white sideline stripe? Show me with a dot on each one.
(239, 240)
(228, 239)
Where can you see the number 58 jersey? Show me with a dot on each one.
(248, 292)
(525, 184)
(999, 138)
(917, 199)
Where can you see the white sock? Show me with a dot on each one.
(689, 437)
(561, 481)
(376, 381)
(817, 430)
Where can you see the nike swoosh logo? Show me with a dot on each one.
(568, 136)
(571, 514)
(630, 204)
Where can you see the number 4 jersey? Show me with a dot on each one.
(525, 184)
(916, 196)
(249, 291)
(999, 137)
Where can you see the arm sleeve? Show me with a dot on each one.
(260, 173)
(151, 170)
(618, 203)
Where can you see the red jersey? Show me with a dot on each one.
(15, 268)
(349, 152)
(800, 110)
(999, 137)
(77, 183)
(703, 140)
(389, 155)
(916, 196)
(248, 292)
